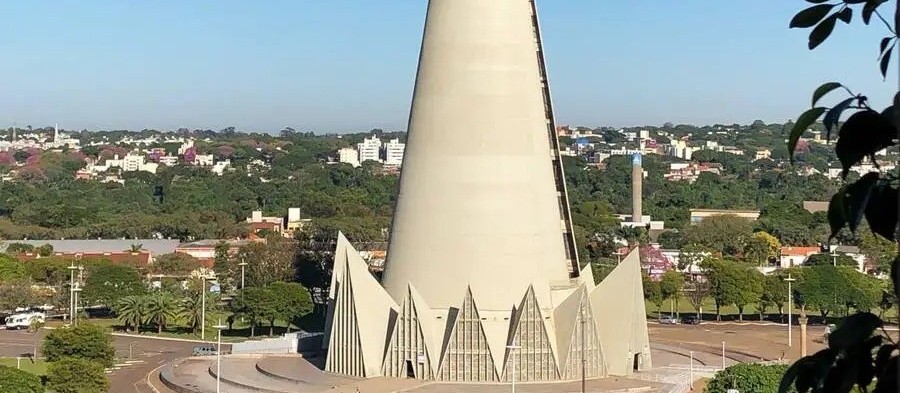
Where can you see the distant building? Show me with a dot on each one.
(698, 215)
(815, 206)
(795, 256)
(393, 152)
(349, 155)
(205, 250)
(369, 149)
(761, 154)
(203, 159)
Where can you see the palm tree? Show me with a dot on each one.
(136, 248)
(162, 307)
(132, 310)
(192, 309)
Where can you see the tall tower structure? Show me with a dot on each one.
(482, 256)
(637, 185)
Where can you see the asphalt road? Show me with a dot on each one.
(136, 356)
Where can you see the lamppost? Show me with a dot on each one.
(512, 352)
(219, 327)
(203, 279)
(691, 378)
(790, 307)
(72, 269)
(243, 264)
(75, 290)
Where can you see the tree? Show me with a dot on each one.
(10, 269)
(18, 381)
(756, 251)
(192, 308)
(697, 292)
(853, 356)
(75, 375)
(293, 301)
(257, 304)
(775, 292)
(45, 250)
(839, 259)
(175, 264)
(670, 286)
(83, 341)
(823, 288)
(268, 262)
(881, 251)
(725, 282)
(16, 294)
(131, 310)
(726, 234)
(107, 283)
(19, 248)
(161, 308)
(749, 289)
(652, 292)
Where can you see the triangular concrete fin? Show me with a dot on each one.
(467, 356)
(345, 349)
(374, 308)
(618, 306)
(565, 317)
(534, 359)
(586, 277)
(337, 274)
(410, 345)
(427, 321)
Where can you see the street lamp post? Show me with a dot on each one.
(75, 290)
(790, 307)
(72, 269)
(512, 352)
(692, 370)
(242, 265)
(203, 307)
(219, 327)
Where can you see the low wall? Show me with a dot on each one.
(290, 343)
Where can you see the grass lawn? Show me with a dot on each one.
(37, 368)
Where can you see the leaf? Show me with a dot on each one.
(869, 9)
(854, 330)
(885, 60)
(881, 211)
(822, 31)
(883, 45)
(856, 198)
(884, 354)
(834, 115)
(810, 16)
(837, 212)
(888, 114)
(821, 91)
(790, 375)
(864, 133)
(803, 122)
(845, 15)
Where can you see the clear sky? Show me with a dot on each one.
(349, 65)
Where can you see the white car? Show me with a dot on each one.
(23, 320)
(668, 320)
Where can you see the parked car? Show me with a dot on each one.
(204, 350)
(690, 320)
(668, 320)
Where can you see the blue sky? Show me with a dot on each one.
(349, 65)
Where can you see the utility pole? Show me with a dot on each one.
(219, 327)
(243, 264)
(790, 307)
(72, 270)
(723, 355)
(203, 307)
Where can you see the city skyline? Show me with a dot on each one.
(329, 67)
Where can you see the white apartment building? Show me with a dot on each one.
(168, 160)
(203, 159)
(220, 167)
(369, 149)
(393, 152)
(349, 155)
(130, 163)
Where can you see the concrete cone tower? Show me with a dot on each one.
(481, 254)
(479, 196)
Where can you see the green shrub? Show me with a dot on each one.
(75, 375)
(18, 381)
(748, 378)
(84, 341)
